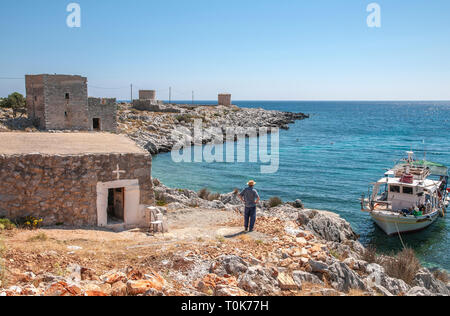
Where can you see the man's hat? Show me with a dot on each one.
(251, 183)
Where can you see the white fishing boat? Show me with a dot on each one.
(410, 197)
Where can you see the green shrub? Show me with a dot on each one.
(161, 203)
(15, 101)
(160, 199)
(275, 201)
(6, 224)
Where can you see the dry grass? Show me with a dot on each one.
(404, 266)
(370, 255)
(39, 237)
(205, 194)
(2, 264)
(357, 293)
(101, 251)
(441, 276)
(275, 201)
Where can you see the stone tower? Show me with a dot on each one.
(60, 102)
(147, 95)
(224, 99)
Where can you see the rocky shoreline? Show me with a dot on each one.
(153, 131)
(336, 257)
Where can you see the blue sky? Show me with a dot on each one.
(254, 49)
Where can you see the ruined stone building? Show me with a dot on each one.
(148, 102)
(147, 95)
(60, 102)
(81, 179)
(224, 99)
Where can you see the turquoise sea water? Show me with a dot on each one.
(329, 160)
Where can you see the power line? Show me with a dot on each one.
(103, 88)
(9, 78)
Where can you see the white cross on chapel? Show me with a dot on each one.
(118, 172)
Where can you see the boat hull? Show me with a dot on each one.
(393, 224)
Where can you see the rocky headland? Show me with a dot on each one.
(153, 131)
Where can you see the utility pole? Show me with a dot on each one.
(192, 97)
(131, 93)
(170, 95)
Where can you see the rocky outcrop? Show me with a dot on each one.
(344, 279)
(327, 225)
(385, 284)
(229, 265)
(259, 280)
(153, 131)
(301, 277)
(418, 291)
(425, 279)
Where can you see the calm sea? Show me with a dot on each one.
(329, 160)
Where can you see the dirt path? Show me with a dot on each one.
(49, 249)
(203, 224)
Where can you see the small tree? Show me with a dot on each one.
(16, 102)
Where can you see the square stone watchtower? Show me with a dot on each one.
(147, 95)
(224, 99)
(60, 102)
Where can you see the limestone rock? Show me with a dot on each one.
(418, 291)
(232, 291)
(286, 282)
(318, 266)
(328, 225)
(344, 279)
(258, 280)
(301, 277)
(229, 265)
(426, 280)
(354, 264)
(394, 286)
(374, 268)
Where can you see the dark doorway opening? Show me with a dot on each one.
(96, 124)
(116, 206)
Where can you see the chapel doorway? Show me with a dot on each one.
(116, 206)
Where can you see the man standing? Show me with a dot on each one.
(250, 197)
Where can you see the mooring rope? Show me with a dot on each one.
(400, 236)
